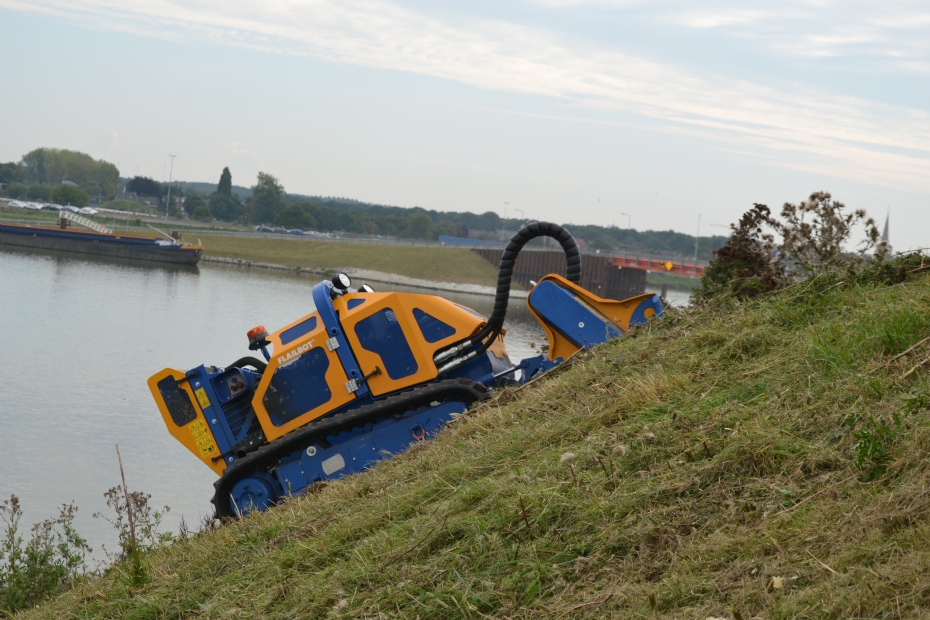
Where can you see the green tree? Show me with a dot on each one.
(226, 208)
(70, 195)
(293, 216)
(10, 173)
(52, 166)
(192, 202)
(225, 186)
(202, 214)
(17, 190)
(144, 186)
(420, 226)
(39, 192)
(602, 243)
(267, 198)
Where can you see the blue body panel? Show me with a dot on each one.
(571, 317)
(351, 453)
(322, 299)
(302, 328)
(639, 316)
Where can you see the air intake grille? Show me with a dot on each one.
(241, 417)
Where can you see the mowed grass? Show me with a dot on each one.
(704, 466)
(423, 262)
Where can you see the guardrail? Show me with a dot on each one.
(659, 264)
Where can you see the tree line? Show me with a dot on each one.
(40, 175)
(40, 172)
(270, 204)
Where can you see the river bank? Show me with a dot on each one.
(761, 459)
(361, 276)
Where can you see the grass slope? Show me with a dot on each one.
(424, 262)
(714, 474)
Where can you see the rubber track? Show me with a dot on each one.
(268, 455)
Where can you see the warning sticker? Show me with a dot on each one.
(202, 438)
(202, 398)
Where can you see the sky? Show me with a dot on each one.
(623, 112)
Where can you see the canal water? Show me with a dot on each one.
(80, 339)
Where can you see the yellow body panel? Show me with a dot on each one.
(195, 435)
(617, 312)
(464, 323)
(284, 354)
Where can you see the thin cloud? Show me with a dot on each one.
(828, 29)
(852, 137)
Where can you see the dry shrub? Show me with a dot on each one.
(749, 263)
(815, 231)
(813, 235)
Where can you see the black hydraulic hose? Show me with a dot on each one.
(509, 258)
(257, 364)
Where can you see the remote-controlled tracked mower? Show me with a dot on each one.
(368, 374)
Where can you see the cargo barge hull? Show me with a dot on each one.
(99, 244)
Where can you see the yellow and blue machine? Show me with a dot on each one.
(367, 374)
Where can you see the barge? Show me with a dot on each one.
(99, 241)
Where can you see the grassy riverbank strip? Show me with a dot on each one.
(433, 263)
(762, 459)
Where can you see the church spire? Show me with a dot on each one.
(885, 239)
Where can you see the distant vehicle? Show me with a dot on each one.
(15, 204)
(263, 229)
(296, 231)
(279, 230)
(70, 208)
(33, 206)
(88, 211)
(52, 207)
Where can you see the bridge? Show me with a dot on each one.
(660, 264)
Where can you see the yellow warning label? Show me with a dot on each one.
(202, 398)
(203, 438)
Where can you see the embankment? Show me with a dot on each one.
(433, 263)
(763, 459)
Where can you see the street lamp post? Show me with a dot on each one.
(629, 221)
(168, 201)
(504, 221)
(696, 238)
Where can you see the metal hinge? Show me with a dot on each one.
(332, 344)
(352, 386)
